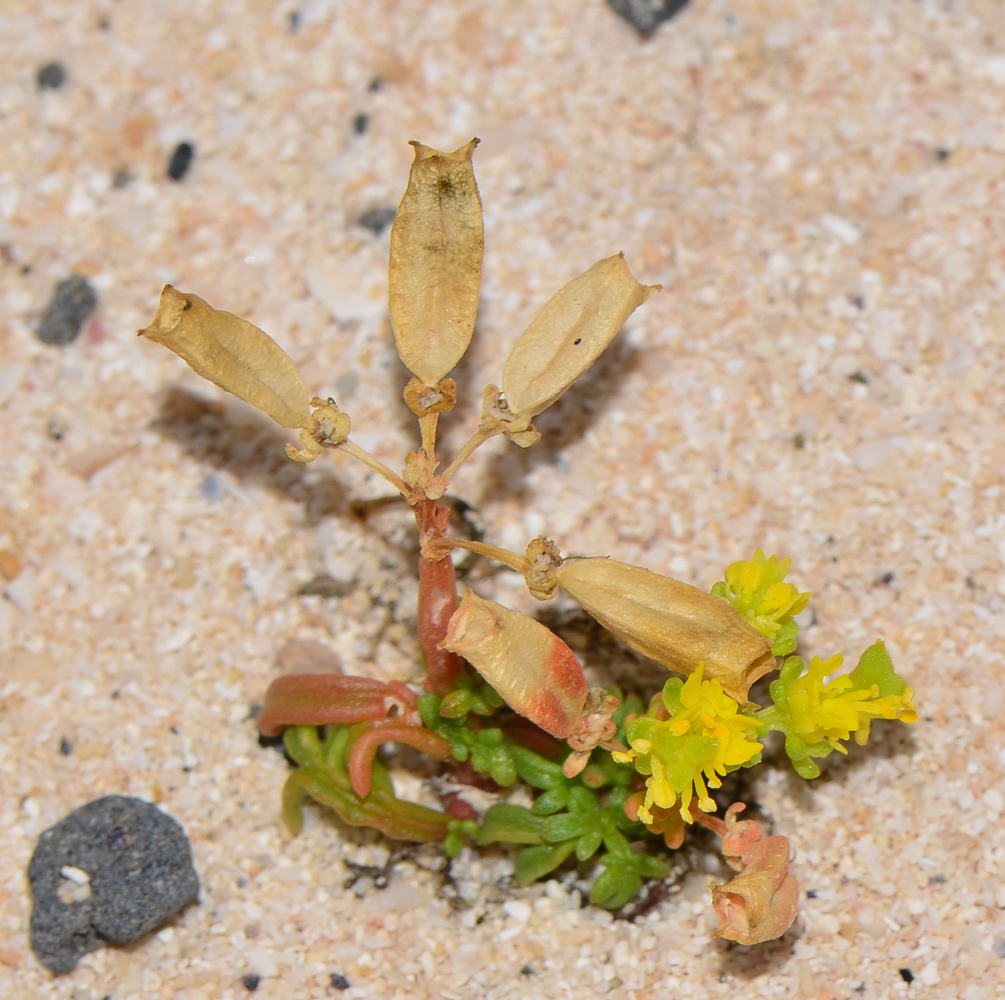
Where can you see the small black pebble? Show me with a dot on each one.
(943, 154)
(339, 982)
(378, 219)
(646, 15)
(886, 579)
(527, 970)
(360, 123)
(293, 20)
(250, 981)
(798, 442)
(1000, 947)
(811, 894)
(140, 863)
(940, 878)
(181, 160)
(254, 711)
(375, 84)
(858, 301)
(860, 377)
(51, 76)
(72, 302)
(65, 747)
(175, 730)
(907, 975)
(860, 988)
(121, 178)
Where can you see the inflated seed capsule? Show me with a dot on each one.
(569, 333)
(671, 622)
(435, 265)
(532, 670)
(231, 353)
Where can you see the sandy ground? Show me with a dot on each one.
(818, 186)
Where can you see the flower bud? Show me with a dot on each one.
(671, 622)
(569, 334)
(435, 266)
(533, 671)
(231, 353)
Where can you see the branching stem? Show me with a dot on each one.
(514, 560)
(351, 448)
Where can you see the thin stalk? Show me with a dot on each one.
(427, 425)
(351, 448)
(474, 442)
(514, 560)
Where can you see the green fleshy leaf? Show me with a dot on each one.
(533, 863)
(588, 845)
(569, 825)
(786, 638)
(616, 885)
(457, 704)
(551, 802)
(508, 824)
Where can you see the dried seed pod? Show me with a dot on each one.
(569, 334)
(533, 671)
(231, 353)
(435, 268)
(671, 622)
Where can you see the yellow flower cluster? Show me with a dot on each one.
(834, 711)
(704, 738)
(758, 591)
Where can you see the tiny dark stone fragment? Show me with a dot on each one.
(942, 154)
(360, 123)
(51, 76)
(799, 441)
(377, 219)
(65, 747)
(886, 579)
(73, 301)
(1000, 947)
(811, 894)
(860, 377)
(646, 15)
(527, 970)
(339, 982)
(140, 865)
(250, 981)
(181, 160)
(324, 585)
(907, 975)
(293, 20)
(375, 84)
(121, 178)
(937, 879)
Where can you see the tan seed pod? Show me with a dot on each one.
(533, 671)
(569, 334)
(231, 353)
(435, 267)
(671, 622)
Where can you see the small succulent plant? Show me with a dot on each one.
(505, 700)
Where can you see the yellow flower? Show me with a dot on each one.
(758, 591)
(705, 737)
(834, 711)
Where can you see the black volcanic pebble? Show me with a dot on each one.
(51, 76)
(646, 15)
(140, 865)
(181, 160)
(72, 302)
(378, 219)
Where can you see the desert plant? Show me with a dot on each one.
(505, 699)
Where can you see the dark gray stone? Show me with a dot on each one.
(140, 865)
(646, 15)
(377, 219)
(51, 76)
(72, 303)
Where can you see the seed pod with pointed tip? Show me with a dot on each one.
(569, 334)
(434, 273)
(231, 353)
(533, 671)
(671, 622)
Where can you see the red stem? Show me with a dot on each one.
(322, 699)
(359, 760)
(437, 601)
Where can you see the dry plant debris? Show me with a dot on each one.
(505, 699)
